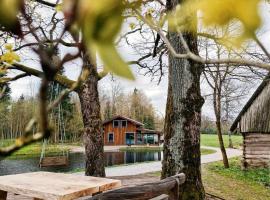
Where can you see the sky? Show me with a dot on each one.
(157, 93)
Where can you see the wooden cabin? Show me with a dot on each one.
(125, 131)
(254, 124)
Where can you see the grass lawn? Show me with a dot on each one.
(235, 184)
(35, 149)
(212, 140)
(143, 149)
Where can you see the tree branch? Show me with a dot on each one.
(61, 79)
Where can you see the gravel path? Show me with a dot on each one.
(141, 168)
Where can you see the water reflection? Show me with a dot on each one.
(76, 161)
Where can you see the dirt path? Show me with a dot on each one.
(142, 168)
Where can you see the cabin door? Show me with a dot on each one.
(130, 138)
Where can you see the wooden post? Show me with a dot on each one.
(3, 195)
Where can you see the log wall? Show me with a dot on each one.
(256, 152)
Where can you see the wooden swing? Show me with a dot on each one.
(59, 160)
(52, 161)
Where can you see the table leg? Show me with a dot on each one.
(3, 195)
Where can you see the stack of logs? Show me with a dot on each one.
(256, 152)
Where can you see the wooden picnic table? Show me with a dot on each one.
(54, 186)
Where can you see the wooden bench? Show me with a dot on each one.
(54, 186)
(161, 190)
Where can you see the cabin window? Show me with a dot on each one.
(124, 123)
(139, 138)
(115, 123)
(111, 137)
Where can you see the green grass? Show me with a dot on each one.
(207, 151)
(261, 176)
(34, 150)
(235, 184)
(212, 140)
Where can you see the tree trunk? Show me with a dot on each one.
(217, 108)
(183, 118)
(93, 134)
(230, 139)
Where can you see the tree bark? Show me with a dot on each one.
(217, 109)
(183, 118)
(93, 134)
(230, 139)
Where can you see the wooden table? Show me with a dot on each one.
(54, 186)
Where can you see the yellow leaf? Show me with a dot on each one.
(222, 12)
(3, 70)
(4, 80)
(113, 62)
(100, 22)
(59, 7)
(10, 57)
(8, 47)
(9, 9)
(132, 26)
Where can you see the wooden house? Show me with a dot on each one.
(125, 131)
(254, 124)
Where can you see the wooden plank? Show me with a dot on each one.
(258, 140)
(259, 135)
(257, 148)
(54, 161)
(55, 186)
(147, 191)
(3, 195)
(254, 152)
(256, 144)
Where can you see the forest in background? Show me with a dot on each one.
(66, 118)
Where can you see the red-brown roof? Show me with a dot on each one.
(126, 118)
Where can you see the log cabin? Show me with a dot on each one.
(253, 122)
(125, 131)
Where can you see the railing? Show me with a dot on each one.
(164, 189)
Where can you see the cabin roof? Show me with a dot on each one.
(250, 101)
(125, 118)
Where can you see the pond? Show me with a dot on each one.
(76, 161)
